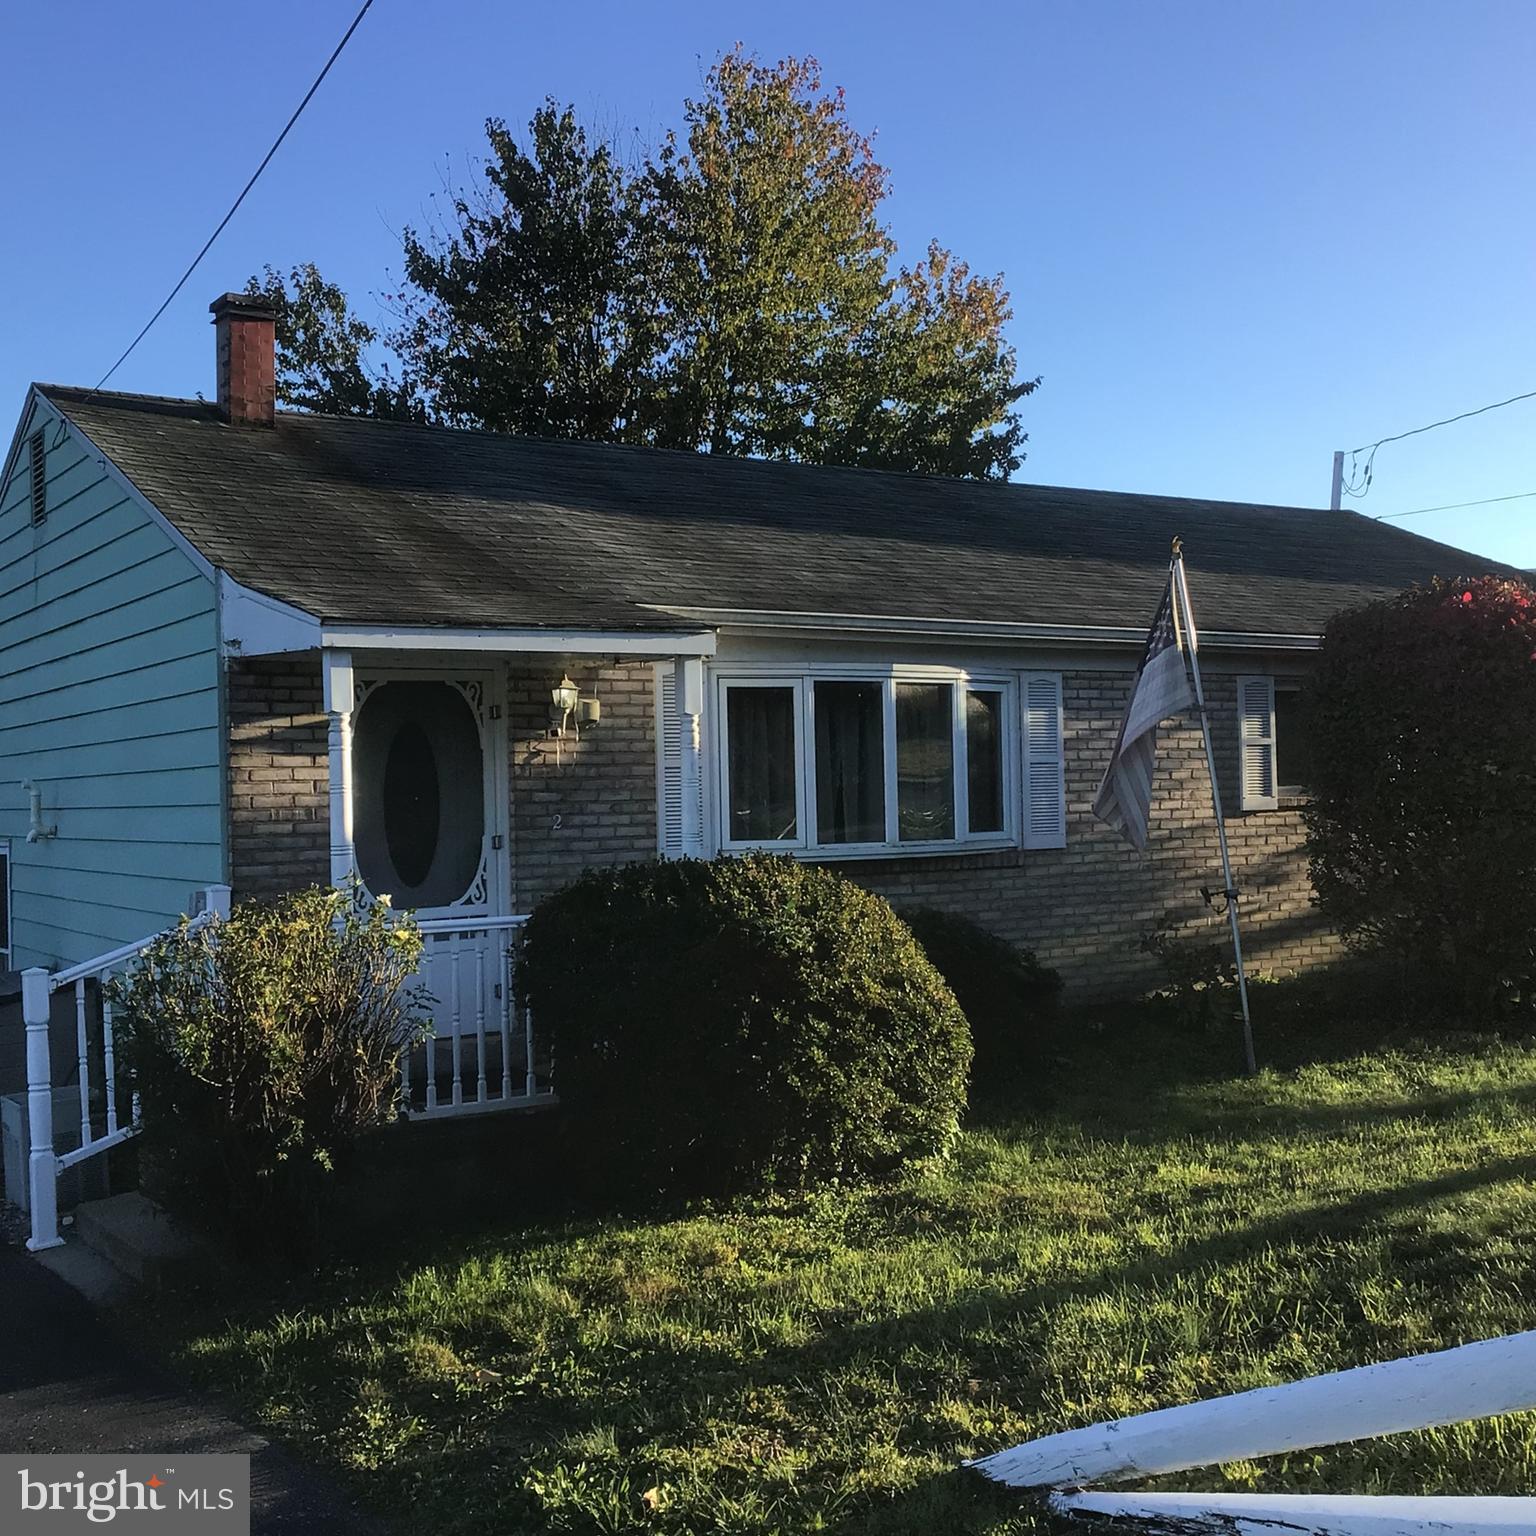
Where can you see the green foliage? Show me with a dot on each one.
(1146, 1232)
(1199, 986)
(733, 291)
(534, 309)
(322, 350)
(1422, 714)
(742, 1022)
(263, 1046)
(1008, 996)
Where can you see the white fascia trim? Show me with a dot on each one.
(253, 624)
(762, 620)
(23, 427)
(573, 642)
(204, 565)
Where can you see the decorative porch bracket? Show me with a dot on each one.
(339, 695)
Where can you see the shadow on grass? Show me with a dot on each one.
(482, 1193)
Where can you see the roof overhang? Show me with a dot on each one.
(253, 623)
(773, 621)
(570, 642)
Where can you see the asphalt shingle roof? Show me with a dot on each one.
(370, 522)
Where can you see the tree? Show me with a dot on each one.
(1421, 833)
(788, 337)
(731, 293)
(535, 311)
(321, 349)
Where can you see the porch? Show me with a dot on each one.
(458, 776)
(463, 784)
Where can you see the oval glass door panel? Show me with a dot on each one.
(418, 773)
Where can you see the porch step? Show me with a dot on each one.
(134, 1235)
(101, 1283)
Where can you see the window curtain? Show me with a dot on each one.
(850, 763)
(761, 727)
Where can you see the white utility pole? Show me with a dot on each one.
(1336, 501)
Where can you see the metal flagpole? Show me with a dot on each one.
(1187, 620)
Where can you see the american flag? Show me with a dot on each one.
(1162, 688)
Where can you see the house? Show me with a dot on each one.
(267, 649)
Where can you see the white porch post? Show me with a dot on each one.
(337, 670)
(42, 1164)
(690, 706)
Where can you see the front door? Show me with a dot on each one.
(429, 829)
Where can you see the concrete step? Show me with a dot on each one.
(134, 1235)
(101, 1283)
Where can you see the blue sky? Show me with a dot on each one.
(1238, 236)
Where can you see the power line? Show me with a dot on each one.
(1455, 506)
(1358, 485)
(235, 206)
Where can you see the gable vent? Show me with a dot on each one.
(39, 478)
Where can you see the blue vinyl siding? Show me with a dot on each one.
(110, 701)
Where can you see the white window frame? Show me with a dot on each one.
(803, 681)
(797, 686)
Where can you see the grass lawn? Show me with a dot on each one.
(1136, 1230)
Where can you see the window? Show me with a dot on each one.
(925, 762)
(1293, 762)
(867, 763)
(762, 805)
(984, 760)
(5, 900)
(850, 762)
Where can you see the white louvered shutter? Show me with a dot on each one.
(1256, 742)
(1045, 798)
(669, 767)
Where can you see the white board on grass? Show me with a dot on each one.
(1448, 1387)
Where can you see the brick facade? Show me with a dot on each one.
(577, 803)
(1085, 908)
(582, 802)
(279, 775)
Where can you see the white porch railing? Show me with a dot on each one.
(482, 1054)
(102, 1121)
(1451, 1386)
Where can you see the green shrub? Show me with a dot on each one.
(1006, 993)
(1422, 714)
(1199, 986)
(727, 1025)
(262, 1047)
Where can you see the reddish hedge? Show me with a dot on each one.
(1422, 822)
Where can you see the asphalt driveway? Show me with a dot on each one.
(67, 1384)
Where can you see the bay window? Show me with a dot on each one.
(862, 762)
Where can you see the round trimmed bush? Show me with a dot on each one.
(1006, 993)
(725, 1025)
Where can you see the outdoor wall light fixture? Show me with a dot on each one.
(567, 706)
(563, 699)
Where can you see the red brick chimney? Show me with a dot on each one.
(245, 328)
